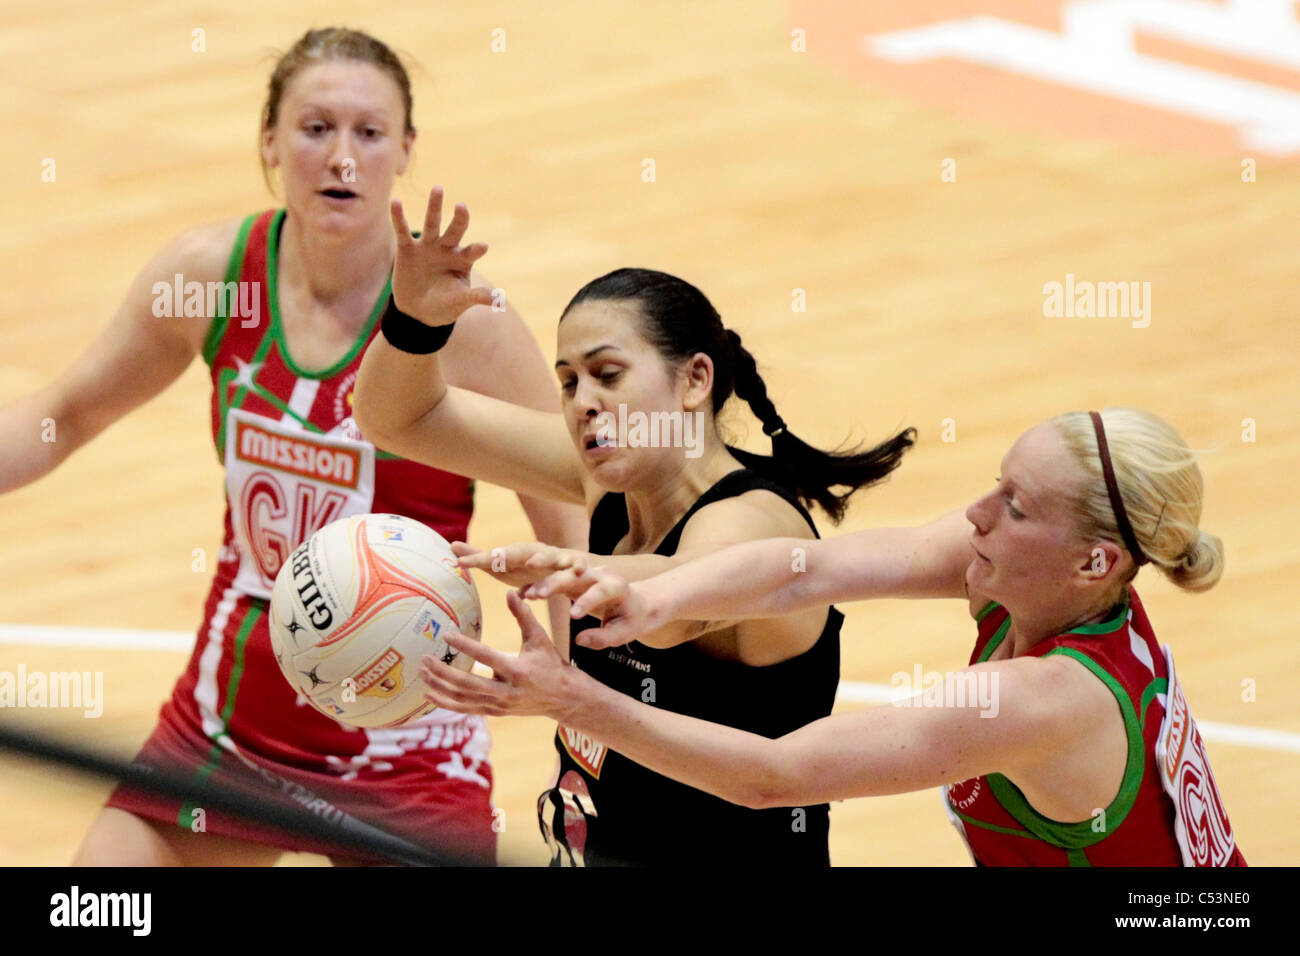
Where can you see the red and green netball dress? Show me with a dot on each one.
(1168, 811)
(294, 462)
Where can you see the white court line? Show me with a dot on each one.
(850, 692)
(110, 638)
(1260, 738)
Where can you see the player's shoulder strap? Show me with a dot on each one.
(732, 485)
(991, 626)
(609, 517)
(252, 231)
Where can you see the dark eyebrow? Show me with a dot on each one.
(587, 355)
(368, 114)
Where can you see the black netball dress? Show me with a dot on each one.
(608, 810)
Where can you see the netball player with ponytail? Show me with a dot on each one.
(337, 127)
(631, 343)
(1085, 752)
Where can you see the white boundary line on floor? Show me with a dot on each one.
(850, 692)
(110, 638)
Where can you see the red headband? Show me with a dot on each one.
(1112, 489)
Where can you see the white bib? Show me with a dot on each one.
(284, 483)
(1200, 823)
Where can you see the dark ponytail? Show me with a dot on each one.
(809, 472)
(680, 322)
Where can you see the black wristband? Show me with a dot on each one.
(407, 334)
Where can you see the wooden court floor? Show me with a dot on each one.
(774, 172)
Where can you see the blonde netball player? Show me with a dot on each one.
(634, 347)
(1068, 731)
(314, 278)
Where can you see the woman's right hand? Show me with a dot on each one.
(538, 682)
(431, 275)
(623, 608)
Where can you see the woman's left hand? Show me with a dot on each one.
(534, 683)
(431, 275)
(519, 565)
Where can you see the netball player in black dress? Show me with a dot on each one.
(634, 347)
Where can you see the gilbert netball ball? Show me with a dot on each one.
(356, 607)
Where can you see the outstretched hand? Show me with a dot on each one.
(518, 564)
(537, 682)
(431, 275)
(622, 608)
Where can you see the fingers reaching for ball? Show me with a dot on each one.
(477, 651)
(571, 582)
(456, 690)
(530, 684)
(623, 610)
(518, 564)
